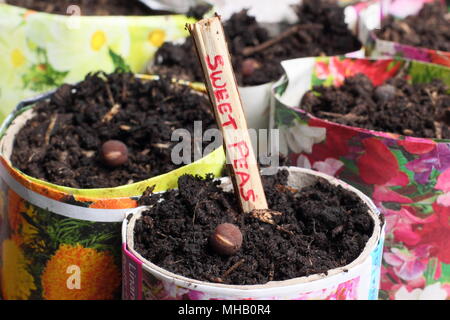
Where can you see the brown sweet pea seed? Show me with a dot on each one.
(114, 153)
(226, 239)
(249, 66)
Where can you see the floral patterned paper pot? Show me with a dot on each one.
(38, 48)
(406, 177)
(377, 47)
(64, 243)
(144, 280)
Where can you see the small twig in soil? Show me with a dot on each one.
(161, 145)
(88, 153)
(115, 106)
(265, 215)
(248, 51)
(124, 127)
(167, 99)
(232, 268)
(348, 116)
(161, 234)
(309, 244)
(438, 129)
(280, 228)
(271, 272)
(283, 188)
(408, 132)
(111, 113)
(216, 279)
(51, 125)
(337, 230)
(124, 90)
(314, 226)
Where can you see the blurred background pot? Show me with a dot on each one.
(371, 19)
(406, 177)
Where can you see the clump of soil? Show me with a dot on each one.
(62, 142)
(88, 7)
(320, 30)
(321, 227)
(420, 109)
(430, 28)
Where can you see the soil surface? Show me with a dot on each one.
(61, 143)
(321, 227)
(420, 110)
(88, 7)
(430, 28)
(320, 30)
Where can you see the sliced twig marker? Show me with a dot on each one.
(212, 49)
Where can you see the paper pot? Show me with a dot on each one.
(379, 48)
(38, 48)
(407, 178)
(144, 280)
(257, 99)
(64, 243)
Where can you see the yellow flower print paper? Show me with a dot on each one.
(41, 51)
(16, 281)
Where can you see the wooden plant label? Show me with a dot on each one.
(223, 92)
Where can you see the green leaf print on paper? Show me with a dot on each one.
(430, 272)
(118, 62)
(286, 116)
(41, 76)
(46, 231)
(445, 273)
(422, 73)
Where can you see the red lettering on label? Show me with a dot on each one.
(218, 60)
(221, 94)
(242, 148)
(215, 78)
(224, 107)
(244, 177)
(249, 195)
(230, 122)
(241, 163)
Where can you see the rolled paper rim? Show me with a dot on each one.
(129, 190)
(398, 45)
(377, 235)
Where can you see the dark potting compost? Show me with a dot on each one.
(256, 56)
(320, 227)
(88, 7)
(66, 141)
(420, 110)
(430, 28)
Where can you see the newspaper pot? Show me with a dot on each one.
(357, 280)
(379, 47)
(64, 243)
(406, 177)
(38, 47)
